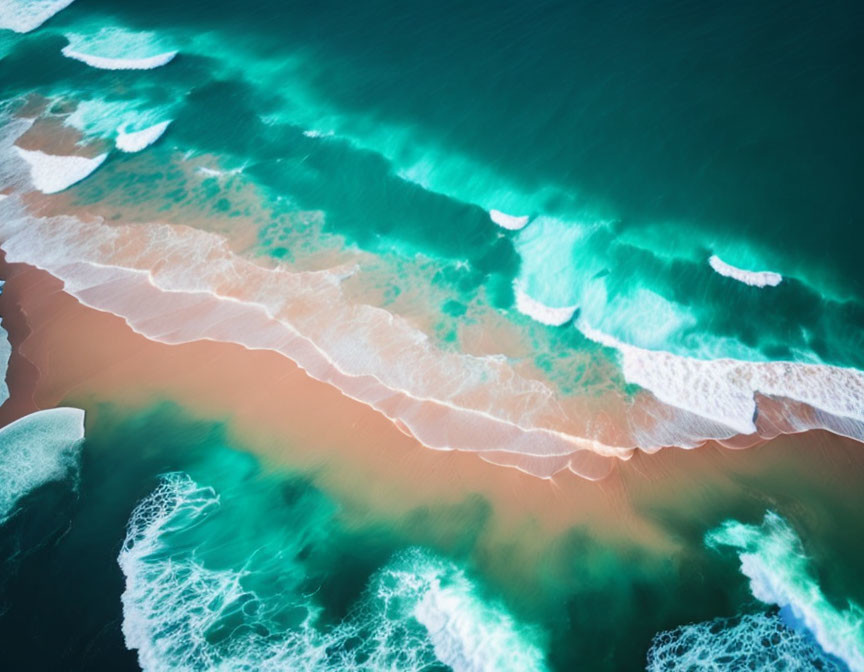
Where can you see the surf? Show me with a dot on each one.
(179, 613)
(36, 449)
(779, 571)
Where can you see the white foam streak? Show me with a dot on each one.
(51, 173)
(22, 16)
(173, 600)
(509, 222)
(738, 644)
(752, 278)
(105, 63)
(772, 558)
(553, 317)
(135, 141)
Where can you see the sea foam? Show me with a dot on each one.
(752, 278)
(418, 611)
(509, 222)
(39, 448)
(51, 173)
(135, 141)
(118, 49)
(104, 63)
(773, 559)
(553, 317)
(725, 390)
(129, 122)
(755, 642)
(22, 16)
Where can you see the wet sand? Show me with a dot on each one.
(64, 352)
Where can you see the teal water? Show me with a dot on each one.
(180, 550)
(636, 139)
(665, 131)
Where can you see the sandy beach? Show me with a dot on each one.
(275, 409)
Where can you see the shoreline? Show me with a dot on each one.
(277, 411)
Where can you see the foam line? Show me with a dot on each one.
(5, 352)
(509, 222)
(105, 63)
(135, 141)
(752, 278)
(553, 317)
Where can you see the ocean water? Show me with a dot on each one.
(555, 234)
(171, 547)
(631, 151)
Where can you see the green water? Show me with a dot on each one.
(639, 139)
(224, 559)
(668, 130)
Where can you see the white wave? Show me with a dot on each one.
(22, 16)
(113, 48)
(724, 390)
(468, 634)
(416, 609)
(553, 317)
(737, 644)
(129, 122)
(104, 63)
(51, 173)
(752, 278)
(773, 559)
(135, 141)
(509, 222)
(314, 133)
(39, 448)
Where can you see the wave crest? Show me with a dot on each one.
(39, 448)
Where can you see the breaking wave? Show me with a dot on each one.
(182, 614)
(118, 49)
(134, 141)
(753, 278)
(39, 448)
(773, 559)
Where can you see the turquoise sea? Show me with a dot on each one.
(556, 234)
(169, 541)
